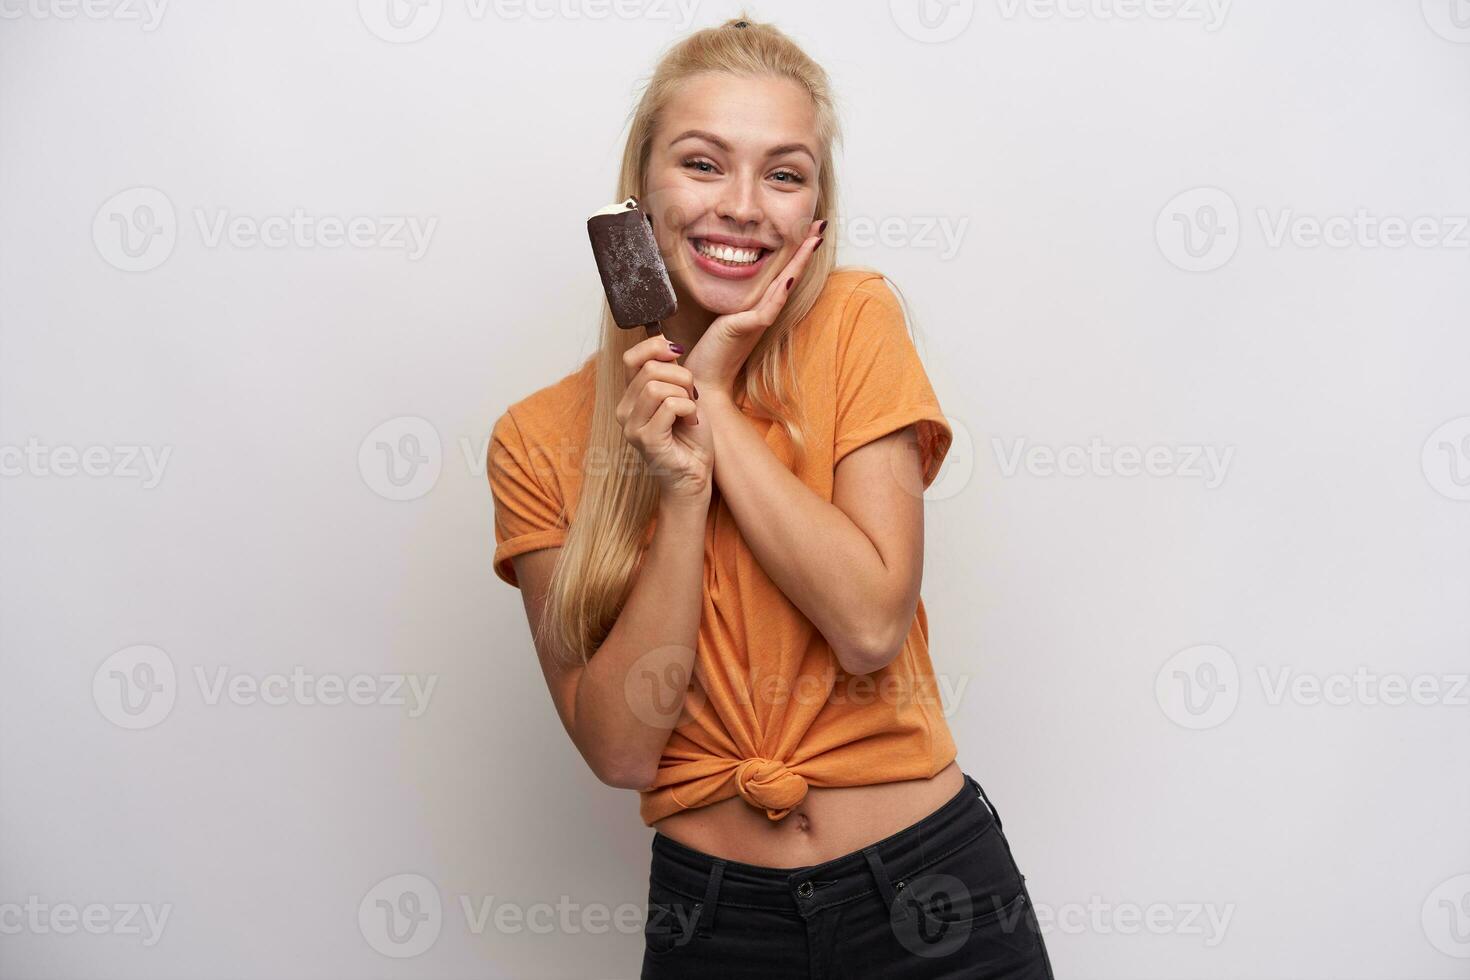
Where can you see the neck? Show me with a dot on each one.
(687, 324)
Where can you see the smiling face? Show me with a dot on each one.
(732, 185)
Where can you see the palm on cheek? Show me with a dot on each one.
(728, 340)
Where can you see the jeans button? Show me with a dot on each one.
(804, 889)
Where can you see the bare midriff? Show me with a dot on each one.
(828, 823)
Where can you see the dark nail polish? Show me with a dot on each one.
(696, 391)
(822, 227)
(789, 282)
(676, 348)
(819, 243)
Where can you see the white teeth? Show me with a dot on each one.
(737, 256)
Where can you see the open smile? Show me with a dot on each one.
(727, 261)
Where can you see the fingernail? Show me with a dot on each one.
(819, 244)
(789, 282)
(676, 348)
(696, 420)
(696, 391)
(822, 227)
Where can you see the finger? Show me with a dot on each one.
(778, 290)
(654, 394)
(634, 407)
(764, 312)
(650, 348)
(661, 422)
(672, 372)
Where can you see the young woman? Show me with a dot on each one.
(718, 537)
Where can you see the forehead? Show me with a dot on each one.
(748, 112)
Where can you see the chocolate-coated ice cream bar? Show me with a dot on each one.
(633, 274)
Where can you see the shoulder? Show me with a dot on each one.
(554, 406)
(551, 422)
(857, 309)
(854, 299)
(848, 287)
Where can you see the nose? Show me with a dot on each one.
(740, 203)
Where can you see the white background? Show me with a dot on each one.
(1056, 143)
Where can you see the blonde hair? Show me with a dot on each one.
(618, 498)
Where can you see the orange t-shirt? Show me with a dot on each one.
(770, 711)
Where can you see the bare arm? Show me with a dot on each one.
(620, 707)
(852, 566)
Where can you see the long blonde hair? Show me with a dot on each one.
(618, 497)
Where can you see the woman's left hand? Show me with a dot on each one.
(716, 359)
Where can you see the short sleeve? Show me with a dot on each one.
(882, 386)
(527, 515)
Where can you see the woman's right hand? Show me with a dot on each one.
(661, 420)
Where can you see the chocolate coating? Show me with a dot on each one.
(633, 274)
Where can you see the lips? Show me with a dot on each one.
(728, 261)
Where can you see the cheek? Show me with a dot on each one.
(675, 208)
(793, 215)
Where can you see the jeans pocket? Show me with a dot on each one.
(974, 897)
(671, 922)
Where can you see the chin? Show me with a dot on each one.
(721, 299)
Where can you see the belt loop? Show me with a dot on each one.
(993, 811)
(711, 899)
(880, 874)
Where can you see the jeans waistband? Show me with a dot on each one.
(811, 888)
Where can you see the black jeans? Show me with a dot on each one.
(942, 898)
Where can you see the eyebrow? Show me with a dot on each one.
(774, 151)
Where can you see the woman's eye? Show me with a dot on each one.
(794, 177)
(696, 164)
